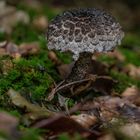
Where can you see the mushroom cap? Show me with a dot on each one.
(84, 30)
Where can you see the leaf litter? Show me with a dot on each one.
(103, 115)
(95, 114)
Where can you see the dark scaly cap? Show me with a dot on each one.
(84, 30)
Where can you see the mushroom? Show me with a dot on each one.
(83, 32)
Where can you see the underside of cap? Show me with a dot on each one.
(84, 30)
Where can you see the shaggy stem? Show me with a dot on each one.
(81, 68)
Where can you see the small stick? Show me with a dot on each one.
(59, 87)
(51, 95)
(72, 83)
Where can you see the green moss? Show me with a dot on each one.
(48, 12)
(71, 103)
(107, 59)
(2, 36)
(28, 9)
(33, 78)
(64, 56)
(123, 81)
(33, 74)
(131, 56)
(24, 33)
(15, 113)
(65, 136)
(131, 40)
(131, 49)
(30, 134)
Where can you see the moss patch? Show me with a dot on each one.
(123, 81)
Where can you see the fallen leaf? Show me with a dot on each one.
(3, 44)
(60, 124)
(130, 91)
(108, 136)
(29, 48)
(12, 50)
(35, 111)
(3, 52)
(104, 84)
(131, 130)
(65, 70)
(24, 49)
(116, 54)
(132, 94)
(85, 120)
(9, 16)
(99, 68)
(124, 131)
(9, 48)
(8, 125)
(41, 22)
(106, 108)
(53, 57)
(132, 71)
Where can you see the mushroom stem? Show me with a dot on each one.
(81, 68)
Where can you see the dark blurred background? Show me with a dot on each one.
(126, 11)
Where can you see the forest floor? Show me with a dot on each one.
(29, 73)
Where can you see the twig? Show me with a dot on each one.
(92, 78)
(51, 95)
(59, 87)
(72, 83)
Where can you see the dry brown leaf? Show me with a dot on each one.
(41, 22)
(85, 120)
(104, 84)
(29, 48)
(53, 57)
(132, 71)
(35, 111)
(3, 44)
(3, 52)
(99, 68)
(25, 49)
(126, 131)
(9, 17)
(131, 130)
(131, 91)
(132, 94)
(65, 70)
(12, 50)
(107, 108)
(116, 54)
(60, 124)
(8, 125)
(9, 48)
(108, 136)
